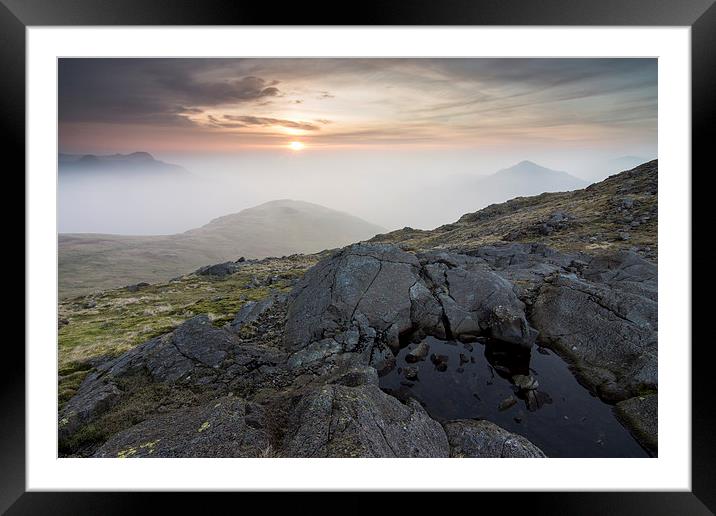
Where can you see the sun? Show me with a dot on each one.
(296, 146)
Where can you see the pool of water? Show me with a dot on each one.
(474, 381)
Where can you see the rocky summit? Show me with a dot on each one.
(293, 368)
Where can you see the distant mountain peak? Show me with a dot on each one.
(140, 155)
(527, 166)
(282, 207)
(140, 163)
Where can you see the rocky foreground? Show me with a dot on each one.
(297, 374)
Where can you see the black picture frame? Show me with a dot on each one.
(700, 15)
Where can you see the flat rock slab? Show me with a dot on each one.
(610, 334)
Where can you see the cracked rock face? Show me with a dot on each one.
(368, 296)
(337, 420)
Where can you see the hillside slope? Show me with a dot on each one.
(617, 213)
(89, 262)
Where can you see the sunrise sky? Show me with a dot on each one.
(394, 141)
(226, 105)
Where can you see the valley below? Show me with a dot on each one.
(90, 262)
(525, 329)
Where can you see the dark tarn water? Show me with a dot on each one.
(473, 381)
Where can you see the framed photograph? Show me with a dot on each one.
(417, 248)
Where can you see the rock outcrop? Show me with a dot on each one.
(298, 376)
(369, 297)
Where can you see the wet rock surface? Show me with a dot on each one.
(525, 392)
(308, 364)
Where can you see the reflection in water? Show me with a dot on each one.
(531, 393)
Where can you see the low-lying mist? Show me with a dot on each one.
(392, 188)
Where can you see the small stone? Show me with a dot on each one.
(417, 354)
(627, 203)
(525, 383)
(440, 361)
(507, 403)
(411, 373)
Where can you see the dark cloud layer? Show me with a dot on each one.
(157, 91)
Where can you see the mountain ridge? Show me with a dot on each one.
(619, 212)
(139, 162)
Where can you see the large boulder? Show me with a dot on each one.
(219, 270)
(337, 420)
(224, 428)
(476, 300)
(372, 281)
(483, 439)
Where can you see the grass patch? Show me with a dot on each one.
(107, 324)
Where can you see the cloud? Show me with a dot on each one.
(459, 101)
(151, 91)
(253, 121)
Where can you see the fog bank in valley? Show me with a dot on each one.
(421, 189)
